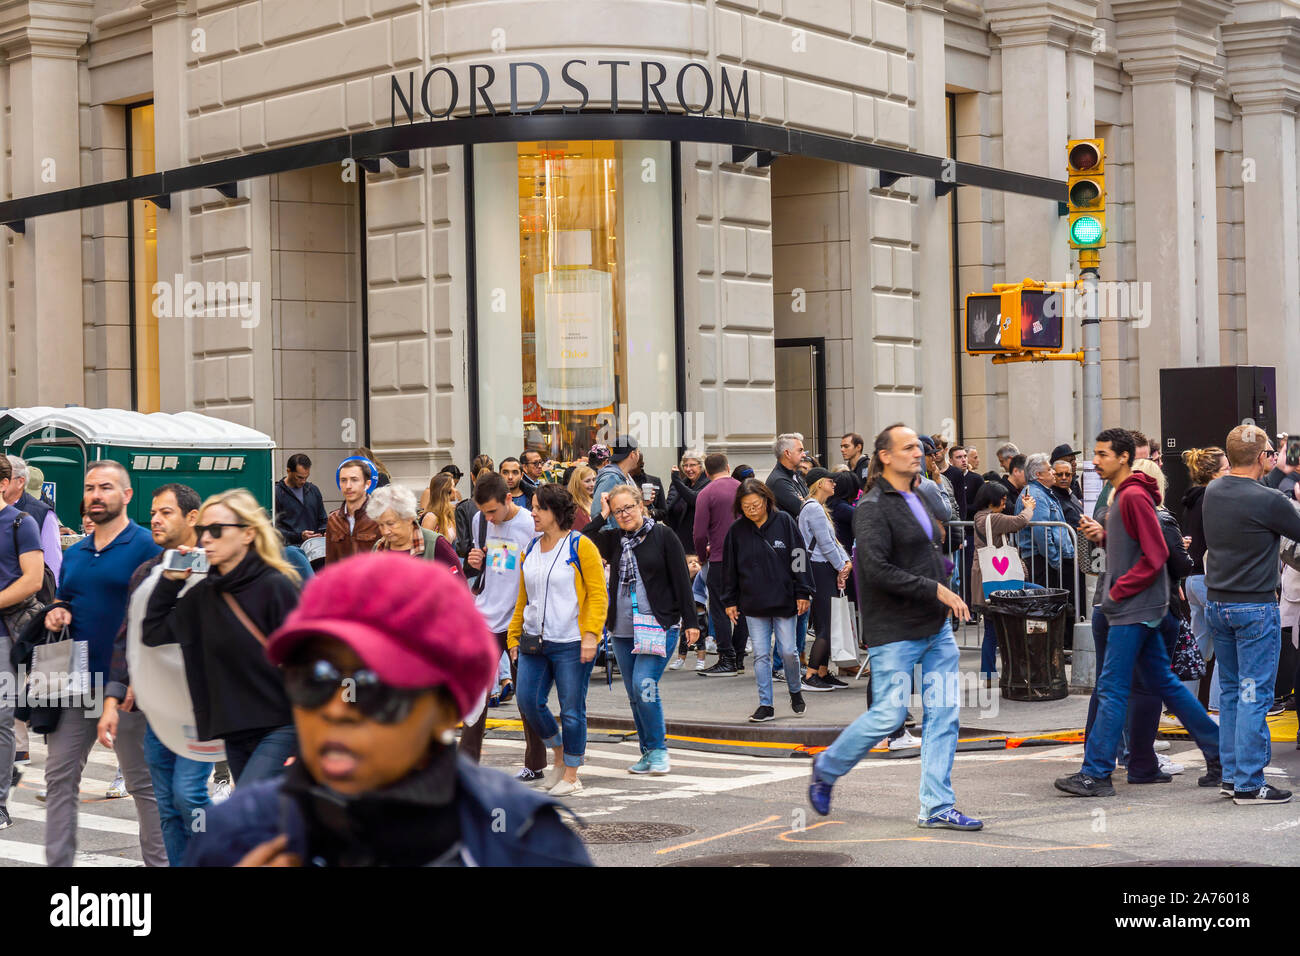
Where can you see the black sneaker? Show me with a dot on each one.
(910, 721)
(720, 669)
(740, 668)
(762, 714)
(817, 684)
(1265, 795)
(1081, 785)
(837, 683)
(5, 822)
(797, 704)
(17, 775)
(1277, 709)
(530, 776)
(1213, 776)
(1160, 777)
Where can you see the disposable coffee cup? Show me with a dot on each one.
(647, 492)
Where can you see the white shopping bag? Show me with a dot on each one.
(844, 643)
(1000, 567)
(59, 674)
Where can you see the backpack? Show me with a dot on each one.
(573, 551)
(16, 618)
(480, 580)
(48, 585)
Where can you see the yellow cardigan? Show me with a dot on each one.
(593, 597)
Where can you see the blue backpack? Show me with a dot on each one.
(573, 551)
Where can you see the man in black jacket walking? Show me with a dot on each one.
(784, 480)
(905, 609)
(299, 505)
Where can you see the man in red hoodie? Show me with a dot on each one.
(1136, 600)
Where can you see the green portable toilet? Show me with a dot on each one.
(208, 454)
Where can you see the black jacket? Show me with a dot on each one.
(662, 564)
(234, 687)
(1072, 506)
(764, 571)
(681, 508)
(1179, 565)
(465, 512)
(898, 567)
(293, 517)
(789, 488)
(1193, 498)
(965, 486)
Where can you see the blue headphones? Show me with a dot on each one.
(374, 472)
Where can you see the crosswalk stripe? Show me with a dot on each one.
(34, 854)
(85, 821)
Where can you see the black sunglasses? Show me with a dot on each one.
(313, 684)
(215, 528)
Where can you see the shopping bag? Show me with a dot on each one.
(1000, 567)
(59, 674)
(1188, 664)
(844, 644)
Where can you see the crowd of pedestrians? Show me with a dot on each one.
(308, 655)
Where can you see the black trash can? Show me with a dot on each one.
(1031, 628)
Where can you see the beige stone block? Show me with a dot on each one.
(219, 34)
(442, 239)
(318, 374)
(891, 218)
(727, 35)
(794, 49)
(703, 357)
(802, 176)
(383, 367)
(205, 85)
(250, 26)
(351, 51)
(318, 112)
(354, 10)
(905, 362)
(733, 250)
(807, 218)
(884, 361)
(746, 198)
(735, 358)
(400, 310)
(216, 134)
(329, 276)
(864, 112)
(381, 260)
(359, 104)
(283, 19)
(893, 123)
(904, 262)
(706, 245)
(890, 24)
(759, 243)
(316, 227)
(813, 267)
(292, 282)
(252, 126)
(747, 304)
(894, 316)
(239, 268)
(406, 40)
(213, 377)
(748, 413)
(706, 302)
(413, 362)
(225, 229)
(862, 19)
(898, 76)
(772, 87)
(704, 189)
(411, 260)
(395, 202)
(239, 377)
(439, 208)
(440, 294)
(835, 15)
(400, 419)
(882, 267)
(819, 107)
(762, 359)
(384, 7)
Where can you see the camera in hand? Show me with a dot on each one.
(1293, 451)
(196, 561)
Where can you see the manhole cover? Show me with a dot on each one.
(770, 858)
(631, 832)
(1215, 863)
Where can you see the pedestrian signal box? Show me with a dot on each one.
(1014, 317)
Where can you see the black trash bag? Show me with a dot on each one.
(1039, 603)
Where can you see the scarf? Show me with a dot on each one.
(627, 561)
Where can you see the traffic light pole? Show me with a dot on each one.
(1089, 266)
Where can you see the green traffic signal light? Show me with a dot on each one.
(1086, 231)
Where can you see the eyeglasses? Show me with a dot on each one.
(215, 528)
(625, 511)
(1270, 452)
(312, 685)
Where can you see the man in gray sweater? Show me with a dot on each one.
(1243, 520)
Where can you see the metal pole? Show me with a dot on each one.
(1083, 667)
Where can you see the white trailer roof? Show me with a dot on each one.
(115, 426)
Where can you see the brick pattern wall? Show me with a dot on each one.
(1231, 215)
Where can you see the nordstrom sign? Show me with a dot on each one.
(644, 83)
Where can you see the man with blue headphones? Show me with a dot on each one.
(350, 530)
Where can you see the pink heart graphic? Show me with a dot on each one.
(1000, 565)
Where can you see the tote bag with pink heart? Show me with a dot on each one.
(1000, 567)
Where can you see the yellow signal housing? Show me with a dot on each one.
(1086, 185)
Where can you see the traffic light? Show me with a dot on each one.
(1086, 169)
(1015, 317)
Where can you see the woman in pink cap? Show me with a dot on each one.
(382, 659)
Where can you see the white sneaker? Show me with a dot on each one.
(701, 664)
(677, 663)
(221, 791)
(1160, 745)
(749, 646)
(118, 789)
(904, 742)
(1168, 766)
(710, 646)
(566, 789)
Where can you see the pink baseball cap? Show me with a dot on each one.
(411, 621)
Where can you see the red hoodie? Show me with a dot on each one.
(1136, 499)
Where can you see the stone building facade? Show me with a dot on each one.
(365, 281)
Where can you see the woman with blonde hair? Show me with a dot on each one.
(581, 484)
(440, 507)
(220, 620)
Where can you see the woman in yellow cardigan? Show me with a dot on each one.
(555, 632)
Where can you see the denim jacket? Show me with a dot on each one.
(1054, 542)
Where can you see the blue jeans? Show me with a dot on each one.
(261, 758)
(1136, 644)
(762, 630)
(559, 665)
(989, 649)
(641, 673)
(801, 631)
(1247, 642)
(181, 787)
(1197, 599)
(891, 675)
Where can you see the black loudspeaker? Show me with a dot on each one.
(1199, 406)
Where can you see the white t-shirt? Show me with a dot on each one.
(504, 549)
(552, 594)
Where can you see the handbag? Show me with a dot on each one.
(530, 643)
(1188, 664)
(648, 635)
(1000, 567)
(59, 674)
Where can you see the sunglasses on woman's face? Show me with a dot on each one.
(215, 529)
(312, 685)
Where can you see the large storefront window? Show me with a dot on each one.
(143, 241)
(574, 261)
